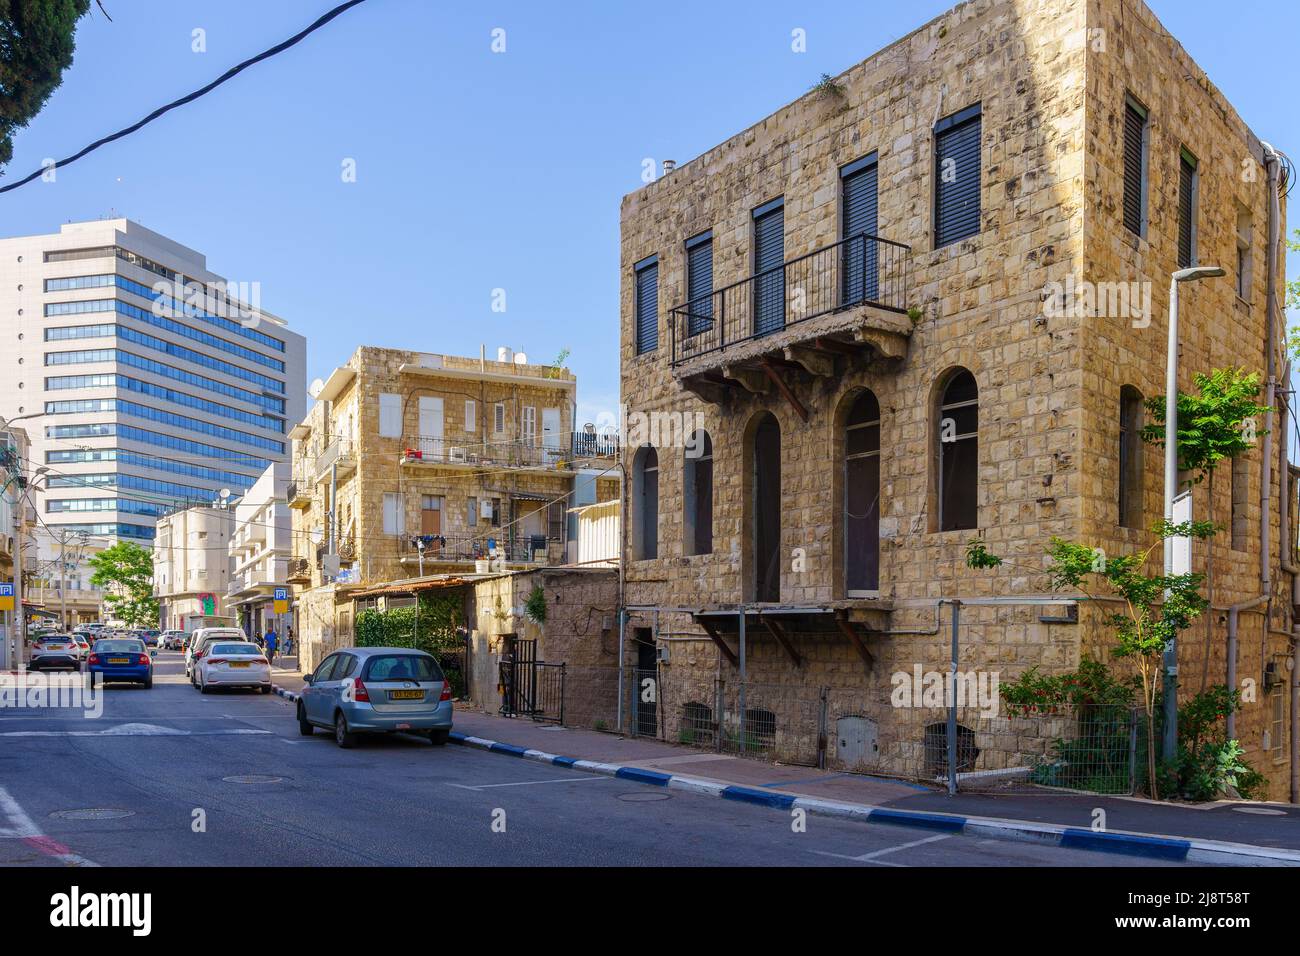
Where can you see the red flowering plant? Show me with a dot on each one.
(1038, 695)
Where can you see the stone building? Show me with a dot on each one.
(432, 464)
(920, 304)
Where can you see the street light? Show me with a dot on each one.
(1171, 483)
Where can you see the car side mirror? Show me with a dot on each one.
(306, 678)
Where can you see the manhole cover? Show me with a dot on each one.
(1262, 811)
(252, 778)
(643, 797)
(93, 813)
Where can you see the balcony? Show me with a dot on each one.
(466, 549)
(299, 571)
(338, 453)
(848, 298)
(298, 494)
(537, 454)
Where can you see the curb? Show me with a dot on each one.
(1148, 845)
(286, 694)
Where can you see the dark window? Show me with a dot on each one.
(394, 667)
(699, 283)
(958, 454)
(862, 495)
(766, 461)
(699, 495)
(645, 503)
(957, 176)
(647, 305)
(1186, 209)
(1130, 457)
(1135, 167)
(858, 190)
(769, 267)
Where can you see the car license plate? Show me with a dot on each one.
(239, 664)
(405, 695)
(118, 660)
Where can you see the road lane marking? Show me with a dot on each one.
(139, 732)
(25, 830)
(903, 846)
(528, 783)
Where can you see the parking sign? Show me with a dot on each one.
(6, 597)
(281, 598)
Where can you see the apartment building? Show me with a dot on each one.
(260, 549)
(193, 567)
(412, 464)
(870, 310)
(156, 382)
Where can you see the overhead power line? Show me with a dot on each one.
(189, 98)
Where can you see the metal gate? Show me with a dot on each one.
(529, 687)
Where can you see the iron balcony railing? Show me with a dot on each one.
(516, 548)
(860, 270)
(535, 452)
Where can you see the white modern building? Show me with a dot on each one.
(192, 567)
(150, 381)
(260, 550)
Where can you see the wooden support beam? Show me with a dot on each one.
(750, 379)
(855, 639)
(778, 632)
(718, 639)
(784, 389)
(836, 345)
(707, 389)
(813, 361)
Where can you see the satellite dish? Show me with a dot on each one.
(224, 492)
(317, 386)
(521, 358)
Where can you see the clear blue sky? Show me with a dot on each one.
(475, 170)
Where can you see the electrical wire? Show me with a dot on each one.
(190, 97)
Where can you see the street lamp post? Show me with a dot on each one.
(1170, 743)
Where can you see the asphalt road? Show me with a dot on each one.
(131, 788)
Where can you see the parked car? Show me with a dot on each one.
(121, 659)
(208, 634)
(55, 651)
(151, 636)
(233, 664)
(83, 644)
(361, 690)
(173, 640)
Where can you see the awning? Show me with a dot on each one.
(785, 623)
(414, 586)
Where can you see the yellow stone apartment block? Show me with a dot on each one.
(914, 307)
(431, 464)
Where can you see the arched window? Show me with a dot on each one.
(698, 486)
(1130, 457)
(958, 453)
(862, 497)
(645, 504)
(765, 462)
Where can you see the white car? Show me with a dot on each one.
(233, 664)
(202, 635)
(172, 640)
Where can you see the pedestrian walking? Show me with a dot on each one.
(270, 646)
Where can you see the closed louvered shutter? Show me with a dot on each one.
(1186, 210)
(957, 177)
(1135, 122)
(647, 306)
(769, 256)
(859, 190)
(699, 283)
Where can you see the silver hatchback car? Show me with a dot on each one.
(362, 690)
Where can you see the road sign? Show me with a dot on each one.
(6, 597)
(281, 599)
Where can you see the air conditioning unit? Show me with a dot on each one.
(457, 453)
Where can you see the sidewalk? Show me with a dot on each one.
(1037, 815)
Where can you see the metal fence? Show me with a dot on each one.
(532, 689)
(1097, 748)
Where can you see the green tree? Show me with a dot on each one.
(126, 570)
(36, 45)
(1150, 618)
(1215, 423)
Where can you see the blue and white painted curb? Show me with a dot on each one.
(1123, 842)
(286, 694)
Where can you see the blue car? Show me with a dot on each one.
(124, 660)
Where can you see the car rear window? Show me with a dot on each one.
(122, 646)
(250, 649)
(402, 667)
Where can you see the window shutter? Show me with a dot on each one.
(1135, 122)
(769, 254)
(471, 417)
(647, 306)
(699, 283)
(957, 177)
(1186, 210)
(390, 415)
(499, 418)
(859, 189)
